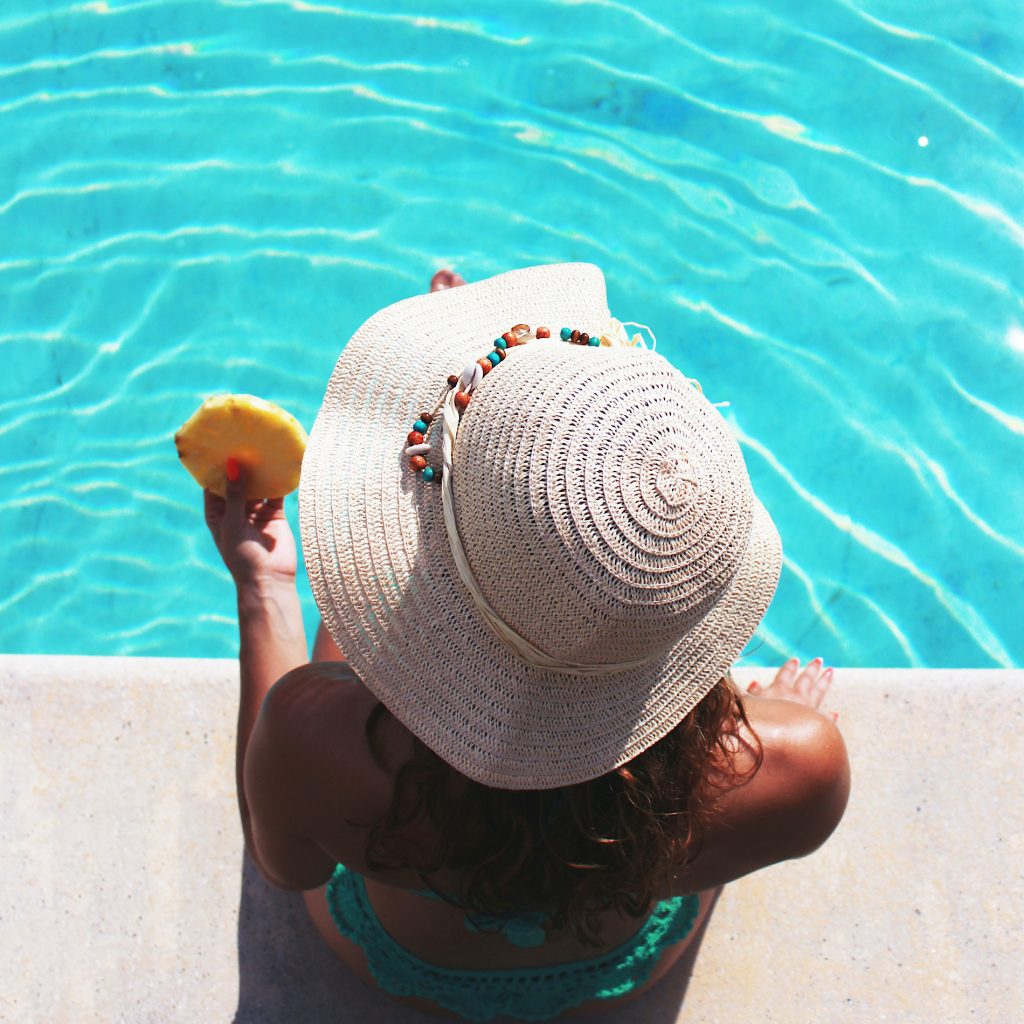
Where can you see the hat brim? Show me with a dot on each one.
(382, 572)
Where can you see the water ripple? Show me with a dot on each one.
(911, 657)
(661, 29)
(388, 19)
(960, 610)
(820, 613)
(1015, 424)
(944, 44)
(940, 477)
(884, 69)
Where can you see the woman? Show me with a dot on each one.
(523, 788)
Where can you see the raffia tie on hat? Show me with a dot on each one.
(518, 644)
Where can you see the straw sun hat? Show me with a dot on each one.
(614, 558)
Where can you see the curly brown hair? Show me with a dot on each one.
(576, 851)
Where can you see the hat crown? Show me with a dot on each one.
(601, 500)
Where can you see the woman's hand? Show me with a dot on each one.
(802, 687)
(253, 537)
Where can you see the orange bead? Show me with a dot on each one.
(462, 399)
(543, 332)
(510, 338)
(415, 437)
(418, 462)
(485, 365)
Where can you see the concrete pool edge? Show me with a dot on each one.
(124, 894)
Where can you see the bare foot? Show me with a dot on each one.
(807, 687)
(445, 279)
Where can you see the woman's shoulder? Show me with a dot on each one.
(805, 784)
(791, 804)
(312, 699)
(317, 717)
(323, 683)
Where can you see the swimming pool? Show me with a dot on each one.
(818, 209)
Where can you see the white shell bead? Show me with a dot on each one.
(471, 376)
(417, 449)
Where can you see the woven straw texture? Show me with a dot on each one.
(604, 507)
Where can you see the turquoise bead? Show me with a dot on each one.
(594, 341)
(566, 333)
(500, 343)
(428, 473)
(494, 358)
(420, 426)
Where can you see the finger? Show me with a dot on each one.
(266, 511)
(807, 679)
(787, 673)
(235, 505)
(213, 506)
(822, 686)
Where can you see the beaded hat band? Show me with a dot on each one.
(461, 386)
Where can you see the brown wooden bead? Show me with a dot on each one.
(502, 352)
(574, 337)
(485, 365)
(462, 399)
(415, 437)
(427, 418)
(510, 338)
(453, 379)
(584, 338)
(543, 332)
(418, 462)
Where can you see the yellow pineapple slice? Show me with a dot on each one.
(266, 441)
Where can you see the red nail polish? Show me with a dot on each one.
(232, 470)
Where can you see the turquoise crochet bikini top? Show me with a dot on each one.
(537, 993)
(524, 929)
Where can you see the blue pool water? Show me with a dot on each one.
(818, 208)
